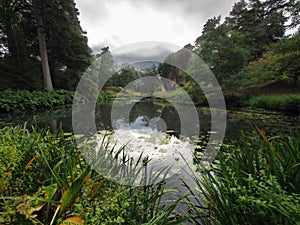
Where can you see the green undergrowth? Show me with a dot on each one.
(288, 104)
(254, 182)
(22, 100)
(45, 180)
(25, 100)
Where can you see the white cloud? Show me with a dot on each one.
(115, 23)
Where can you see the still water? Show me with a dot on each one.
(154, 127)
(162, 121)
(143, 113)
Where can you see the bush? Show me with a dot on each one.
(25, 100)
(14, 101)
(288, 104)
(236, 100)
(196, 94)
(265, 102)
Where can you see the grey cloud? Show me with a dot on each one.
(107, 42)
(145, 53)
(93, 11)
(195, 11)
(136, 57)
(191, 8)
(192, 13)
(140, 55)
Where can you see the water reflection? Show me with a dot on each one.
(271, 122)
(146, 137)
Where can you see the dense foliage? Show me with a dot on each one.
(22, 100)
(288, 104)
(25, 100)
(20, 59)
(45, 180)
(254, 182)
(249, 48)
(245, 35)
(279, 63)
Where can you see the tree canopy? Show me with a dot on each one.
(20, 59)
(43, 42)
(252, 40)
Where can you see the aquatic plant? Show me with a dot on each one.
(256, 182)
(45, 180)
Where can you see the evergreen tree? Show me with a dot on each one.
(245, 35)
(38, 8)
(21, 33)
(260, 22)
(19, 47)
(69, 54)
(222, 49)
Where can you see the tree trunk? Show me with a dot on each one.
(42, 45)
(296, 75)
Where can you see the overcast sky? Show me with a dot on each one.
(116, 23)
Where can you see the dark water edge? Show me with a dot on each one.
(238, 120)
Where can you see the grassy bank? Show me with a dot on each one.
(288, 104)
(16, 101)
(278, 96)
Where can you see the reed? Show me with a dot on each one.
(46, 180)
(254, 182)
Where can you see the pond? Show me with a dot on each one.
(158, 119)
(143, 113)
(154, 127)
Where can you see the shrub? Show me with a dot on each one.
(236, 100)
(14, 101)
(288, 104)
(25, 100)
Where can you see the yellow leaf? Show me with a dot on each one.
(267, 141)
(74, 220)
(29, 163)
